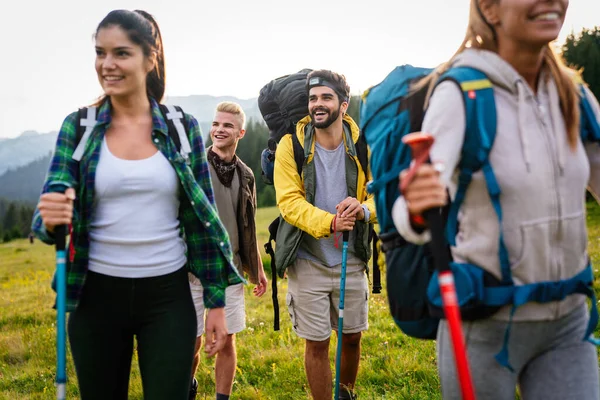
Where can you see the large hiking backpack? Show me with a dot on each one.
(389, 111)
(283, 102)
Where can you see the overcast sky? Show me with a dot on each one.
(228, 47)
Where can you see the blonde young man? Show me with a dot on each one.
(235, 196)
(330, 196)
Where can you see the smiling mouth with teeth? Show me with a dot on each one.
(549, 16)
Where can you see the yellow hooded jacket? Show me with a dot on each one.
(295, 202)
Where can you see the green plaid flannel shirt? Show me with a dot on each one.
(209, 254)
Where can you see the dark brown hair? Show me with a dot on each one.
(342, 88)
(142, 29)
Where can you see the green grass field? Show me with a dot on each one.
(393, 366)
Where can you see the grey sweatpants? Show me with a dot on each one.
(550, 359)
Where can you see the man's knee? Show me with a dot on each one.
(229, 347)
(317, 347)
(351, 339)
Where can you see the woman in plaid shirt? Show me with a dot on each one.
(142, 215)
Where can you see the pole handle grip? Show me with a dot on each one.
(60, 237)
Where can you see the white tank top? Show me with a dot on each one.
(134, 230)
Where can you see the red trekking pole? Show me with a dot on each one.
(420, 143)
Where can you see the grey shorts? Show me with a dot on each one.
(314, 295)
(235, 307)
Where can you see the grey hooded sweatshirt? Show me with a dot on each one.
(543, 183)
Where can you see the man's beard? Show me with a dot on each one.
(327, 123)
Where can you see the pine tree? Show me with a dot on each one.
(354, 108)
(582, 52)
(11, 218)
(25, 216)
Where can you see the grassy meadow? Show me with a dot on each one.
(270, 364)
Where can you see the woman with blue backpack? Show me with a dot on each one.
(517, 225)
(135, 188)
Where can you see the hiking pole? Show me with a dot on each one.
(60, 233)
(338, 358)
(420, 143)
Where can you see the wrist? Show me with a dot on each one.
(366, 215)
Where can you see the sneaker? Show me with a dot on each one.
(193, 389)
(347, 394)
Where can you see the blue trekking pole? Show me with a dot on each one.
(60, 233)
(338, 358)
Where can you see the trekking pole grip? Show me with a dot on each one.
(60, 237)
(438, 243)
(60, 231)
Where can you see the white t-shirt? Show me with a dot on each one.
(134, 229)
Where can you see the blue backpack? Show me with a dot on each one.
(389, 111)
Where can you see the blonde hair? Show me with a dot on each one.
(235, 109)
(481, 35)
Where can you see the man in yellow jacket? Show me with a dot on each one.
(329, 197)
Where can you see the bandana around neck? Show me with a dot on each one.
(225, 170)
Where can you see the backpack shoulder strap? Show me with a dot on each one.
(362, 152)
(589, 126)
(86, 120)
(273, 228)
(298, 153)
(480, 107)
(481, 124)
(174, 118)
(360, 148)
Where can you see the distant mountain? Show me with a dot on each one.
(24, 149)
(31, 145)
(25, 183)
(203, 106)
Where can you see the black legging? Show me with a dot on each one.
(158, 311)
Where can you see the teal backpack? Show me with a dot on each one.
(391, 110)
